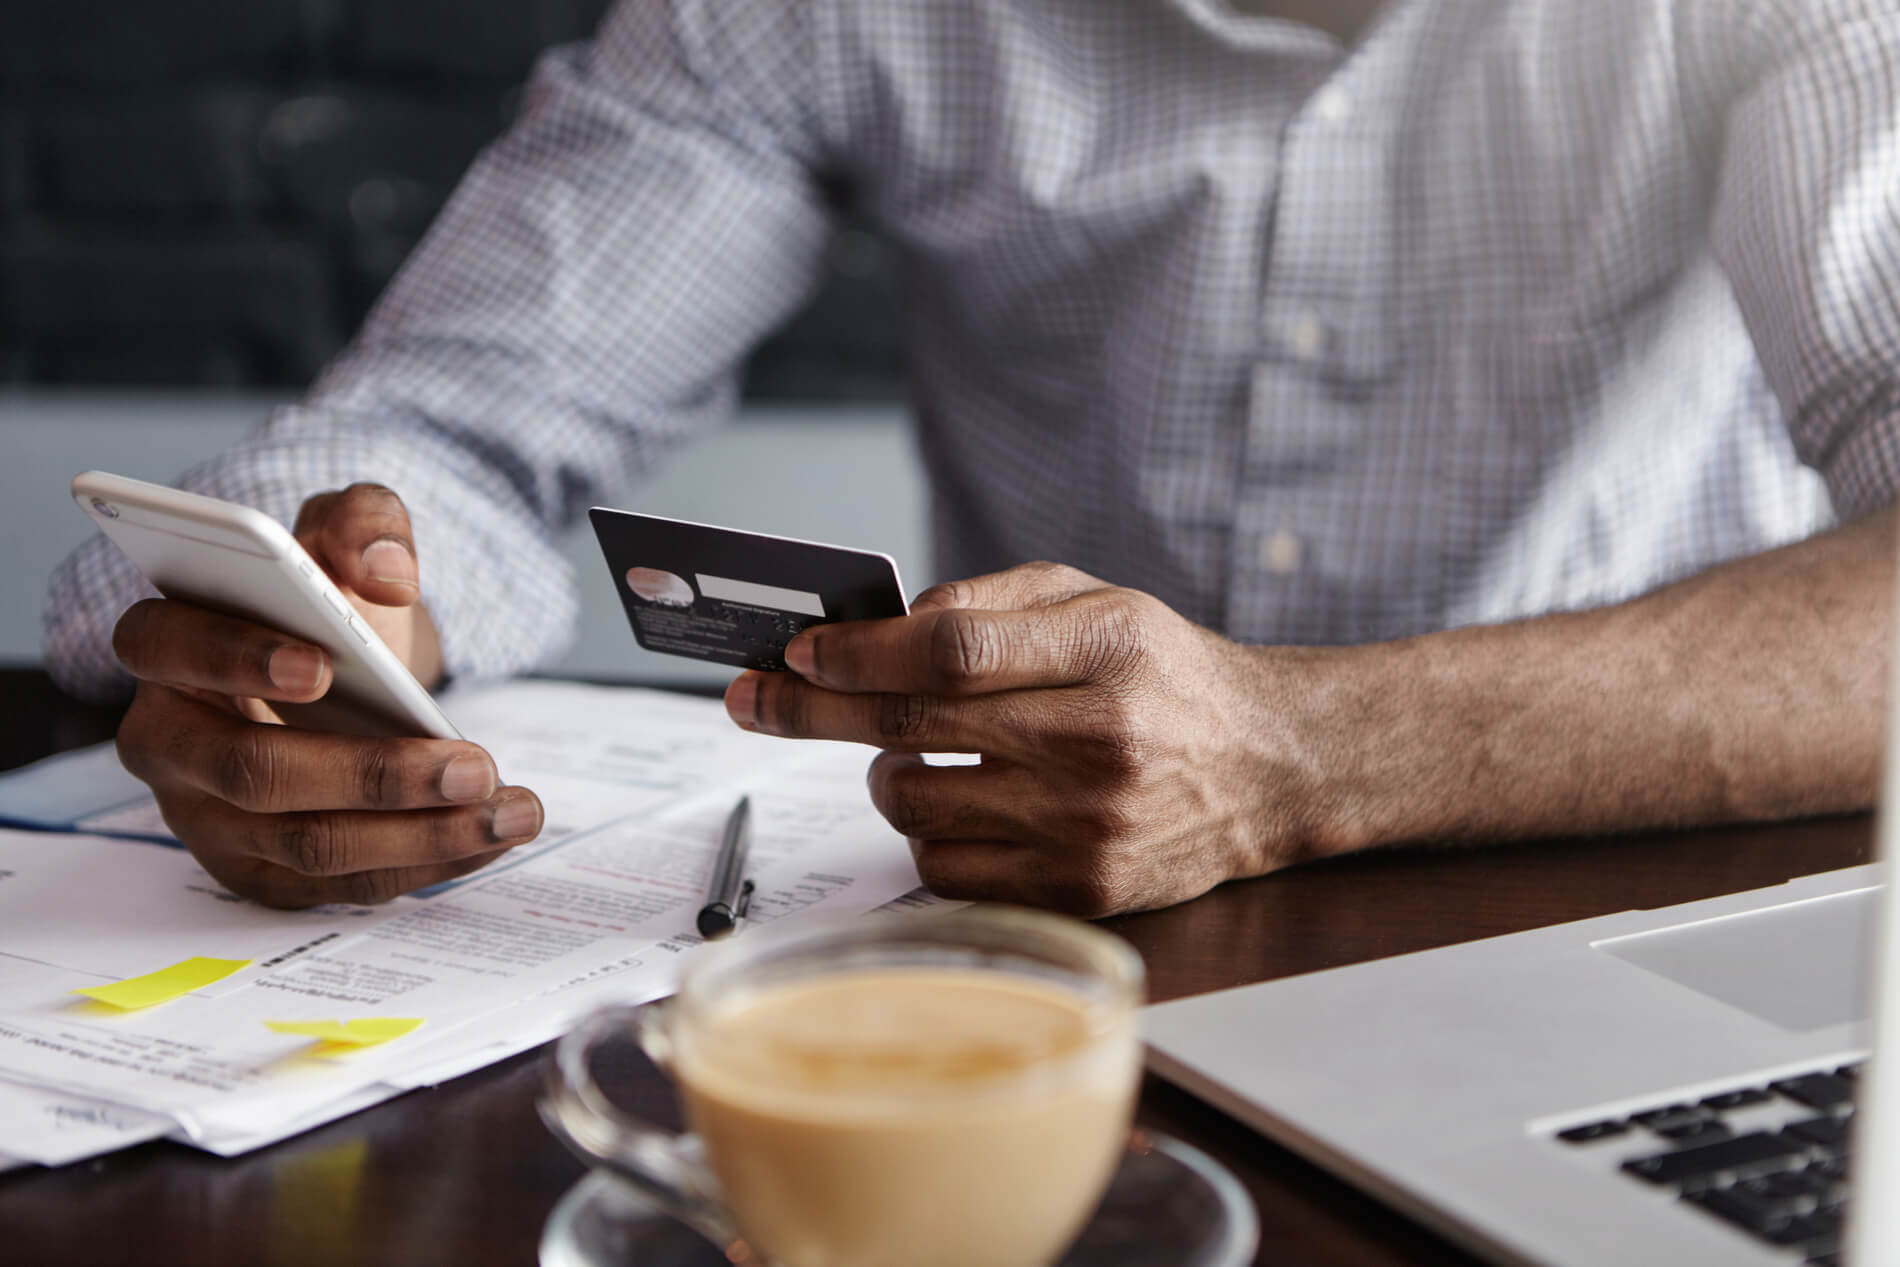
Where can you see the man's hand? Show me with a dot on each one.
(1130, 759)
(293, 817)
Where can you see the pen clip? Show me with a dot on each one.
(744, 904)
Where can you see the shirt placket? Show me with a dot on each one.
(1326, 344)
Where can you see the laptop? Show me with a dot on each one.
(1683, 1086)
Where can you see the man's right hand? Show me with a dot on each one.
(296, 817)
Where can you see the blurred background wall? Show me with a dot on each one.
(199, 200)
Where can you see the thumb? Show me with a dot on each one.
(362, 538)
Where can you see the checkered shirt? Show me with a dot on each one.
(1513, 306)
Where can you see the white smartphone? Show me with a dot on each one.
(241, 562)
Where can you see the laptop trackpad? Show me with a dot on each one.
(1801, 965)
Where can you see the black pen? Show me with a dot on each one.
(729, 895)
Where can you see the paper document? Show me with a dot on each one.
(343, 1007)
(116, 909)
(58, 793)
(51, 1129)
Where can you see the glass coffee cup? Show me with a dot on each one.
(916, 1090)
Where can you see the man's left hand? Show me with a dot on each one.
(1130, 759)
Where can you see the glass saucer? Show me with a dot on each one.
(1168, 1203)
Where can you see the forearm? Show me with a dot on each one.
(1755, 690)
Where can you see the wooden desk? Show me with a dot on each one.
(465, 1173)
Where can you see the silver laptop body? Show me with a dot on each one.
(1495, 1090)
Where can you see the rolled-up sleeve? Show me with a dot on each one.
(582, 304)
(1807, 226)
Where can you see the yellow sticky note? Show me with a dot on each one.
(364, 1031)
(166, 983)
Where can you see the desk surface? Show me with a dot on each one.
(465, 1173)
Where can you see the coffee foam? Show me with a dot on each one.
(902, 1037)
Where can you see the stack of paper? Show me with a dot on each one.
(139, 999)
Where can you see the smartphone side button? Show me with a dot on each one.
(356, 627)
(338, 604)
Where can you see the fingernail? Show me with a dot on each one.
(387, 561)
(518, 817)
(798, 655)
(468, 778)
(742, 699)
(296, 668)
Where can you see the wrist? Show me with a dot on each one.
(1306, 740)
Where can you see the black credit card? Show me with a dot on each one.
(736, 597)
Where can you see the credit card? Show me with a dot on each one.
(735, 597)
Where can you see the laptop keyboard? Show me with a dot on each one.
(1771, 1160)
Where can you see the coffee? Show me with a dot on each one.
(902, 1116)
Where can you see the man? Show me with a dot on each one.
(1490, 373)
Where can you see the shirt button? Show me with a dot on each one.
(1306, 336)
(1280, 553)
(1332, 104)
